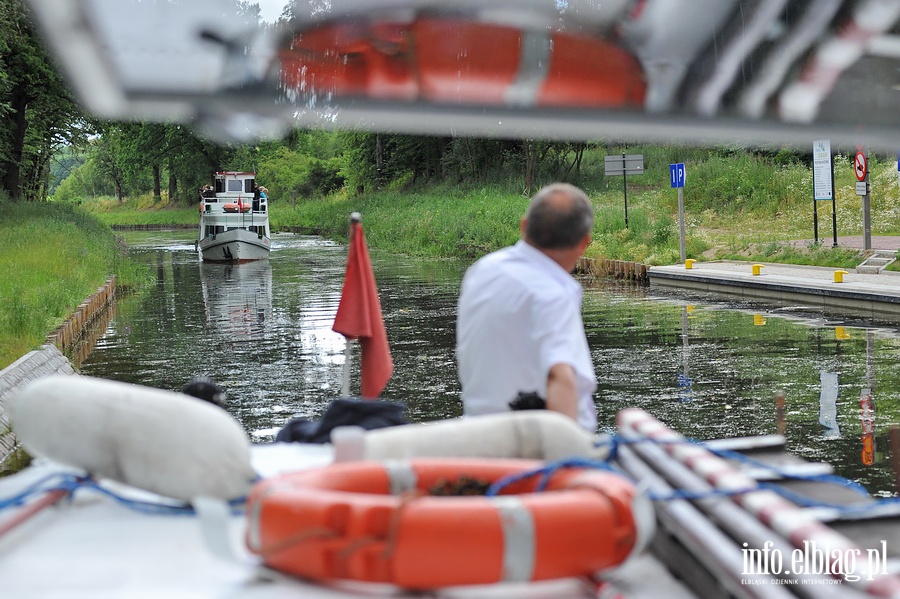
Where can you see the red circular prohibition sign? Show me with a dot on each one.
(861, 166)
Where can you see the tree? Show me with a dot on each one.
(37, 113)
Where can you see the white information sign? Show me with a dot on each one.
(628, 164)
(823, 189)
(862, 188)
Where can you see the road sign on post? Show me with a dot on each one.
(861, 166)
(677, 176)
(626, 164)
(823, 185)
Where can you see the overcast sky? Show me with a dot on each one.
(270, 10)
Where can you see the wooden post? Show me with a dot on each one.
(780, 425)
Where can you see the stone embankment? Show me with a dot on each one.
(620, 269)
(34, 365)
(49, 359)
(150, 227)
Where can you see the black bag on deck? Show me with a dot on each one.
(369, 414)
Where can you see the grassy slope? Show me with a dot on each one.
(141, 211)
(738, 206)
(53, 257)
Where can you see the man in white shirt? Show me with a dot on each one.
(519, 327)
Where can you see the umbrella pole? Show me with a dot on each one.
(345, 387)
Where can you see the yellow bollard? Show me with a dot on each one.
(756, 268)
(839, 276)
(758, 320)
(689, 263)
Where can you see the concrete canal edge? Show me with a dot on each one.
(48, 360)
(869, 296)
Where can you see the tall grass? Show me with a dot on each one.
(52, 257)
(141, 210)
(436, 223)
(738, 205)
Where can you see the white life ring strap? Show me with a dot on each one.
(518, 539)
(254, 520)
(534, 64)
(215, 518)
(402, 476)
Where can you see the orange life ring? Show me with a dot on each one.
(460, 61)
(372, 522)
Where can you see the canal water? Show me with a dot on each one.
(706, 367)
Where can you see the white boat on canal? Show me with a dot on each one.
(234, 219)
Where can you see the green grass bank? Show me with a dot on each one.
(53, 256)
(738, 205)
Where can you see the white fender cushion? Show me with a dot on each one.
(531, 434)
(160, 441)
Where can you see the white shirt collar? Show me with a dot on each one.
(537, 257)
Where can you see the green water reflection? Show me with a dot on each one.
(706, 368)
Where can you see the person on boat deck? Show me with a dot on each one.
(519, 329)
(258, 192)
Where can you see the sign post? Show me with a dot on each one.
(823, 184)
(627, 164)
(677, 178)
(861, 166)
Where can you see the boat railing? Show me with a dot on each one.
(216, 217)
(217, 206)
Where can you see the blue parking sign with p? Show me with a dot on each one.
(677, 174)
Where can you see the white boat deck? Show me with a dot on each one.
(93, 547)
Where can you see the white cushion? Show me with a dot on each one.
(160, 441)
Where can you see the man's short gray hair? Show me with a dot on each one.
(559, 217)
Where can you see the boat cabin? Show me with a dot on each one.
(233, 201)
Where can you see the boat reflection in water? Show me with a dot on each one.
(237, 299)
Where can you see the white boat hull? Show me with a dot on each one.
(235, 245)
(234, 219)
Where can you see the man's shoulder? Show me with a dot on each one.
(496, 261)
(509, 274)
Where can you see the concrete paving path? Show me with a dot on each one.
(874, 296)
(881, 242)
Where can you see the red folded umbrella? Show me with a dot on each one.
(359, 315)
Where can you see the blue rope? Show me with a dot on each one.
(67, 482)
(822, 478)
(615, 441)
(70, 483)
(546, 472)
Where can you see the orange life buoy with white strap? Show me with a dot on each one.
(456, 60)
(237, 207)
(372, 521)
